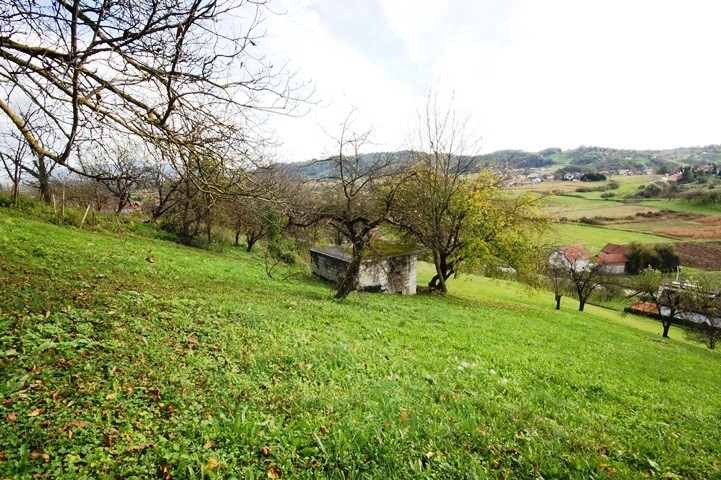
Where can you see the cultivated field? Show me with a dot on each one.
(127, 357)
(622, 220)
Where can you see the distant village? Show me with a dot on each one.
(529, 176)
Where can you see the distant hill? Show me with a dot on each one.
(585, 159)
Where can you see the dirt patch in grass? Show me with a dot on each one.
(701, 233)
(701, 255)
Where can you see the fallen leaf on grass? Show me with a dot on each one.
(273, 471)
(139, 448)
(265, 451)
(40, 456)
(150, 260)
(35, 412)
(12, 417)
(2, 456)
(165, 472)
(403, 416)
(212, 464)
(77, 423)
(323, 429)
(155, 393)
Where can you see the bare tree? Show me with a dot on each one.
(263, 214)
(582, 278)
(702, 312)
(354, 199)
(18, 157)
(121, 168)
(557, 280)
(651, 285)
(186, 76)
(12, 160)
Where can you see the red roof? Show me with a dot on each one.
(644, 307)
(611, 259)
(574, 252)
(614, 249)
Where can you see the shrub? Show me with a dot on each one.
(668, 258)
(640, 257)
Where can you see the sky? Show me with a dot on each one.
(532, 74)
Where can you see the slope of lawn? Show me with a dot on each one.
(124, 357)
(595, 237)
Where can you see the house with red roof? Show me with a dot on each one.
(612, 258)
(574, 257)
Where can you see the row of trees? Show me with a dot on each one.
(168, 96)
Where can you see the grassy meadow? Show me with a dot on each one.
(123, 356)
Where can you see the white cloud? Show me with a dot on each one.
(639, 74)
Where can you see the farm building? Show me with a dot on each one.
(570, 256)
(395, 273)
(612, 258)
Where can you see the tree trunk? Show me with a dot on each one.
(43, 180)
(666, 327)
(558, 302)
(443, 271)
(581, 304)
(349, 282)
(250, 240)
(16, 185)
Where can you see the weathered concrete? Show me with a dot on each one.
(388, 274)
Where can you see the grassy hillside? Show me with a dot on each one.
(127, 357)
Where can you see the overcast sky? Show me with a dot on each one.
(532, 73)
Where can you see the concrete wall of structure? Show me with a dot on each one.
(390, 274)
(396, 274)
(327, 267)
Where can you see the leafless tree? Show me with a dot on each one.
(19, 158)
(265, 213)
(442, 152)
(185, 76)
(121, 168)
(582, 278)
(702, 310)
(651, 285)
(354, 198)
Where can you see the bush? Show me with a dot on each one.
(668, 258)
(593, 177)
(640, 257)
(608, 195)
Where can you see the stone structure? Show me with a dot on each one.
(387, 274)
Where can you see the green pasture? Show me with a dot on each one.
(683, 206)
(575, 207)
(128, 357)
(594, 237)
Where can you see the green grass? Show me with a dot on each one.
(197, 365)
(684, 206)
(595, 237)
